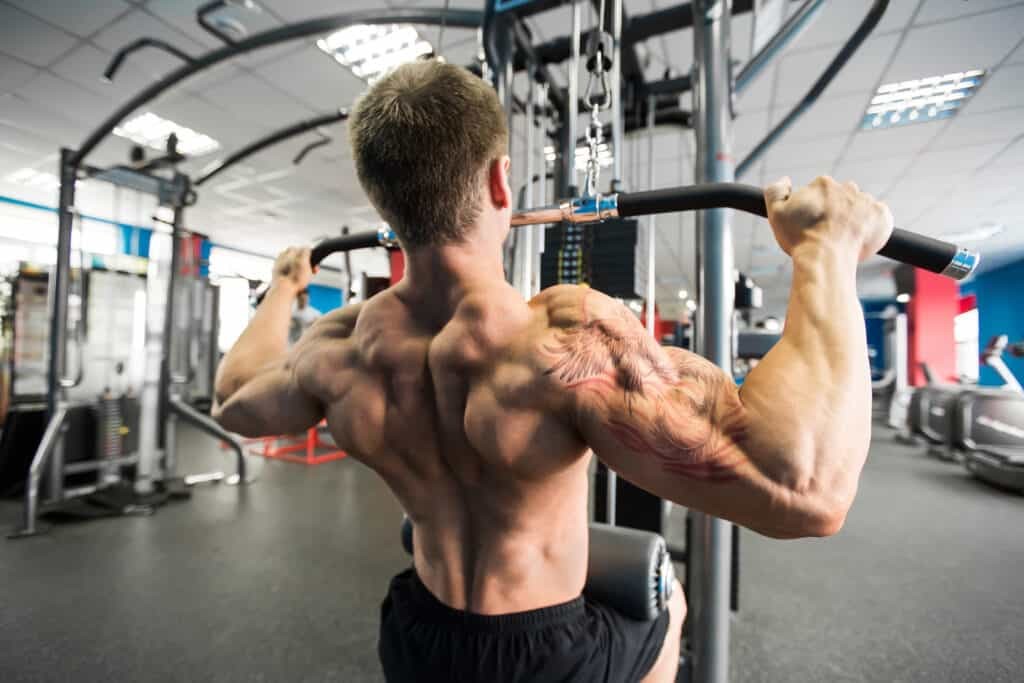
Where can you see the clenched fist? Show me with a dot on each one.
(832, 212)
(292, 269)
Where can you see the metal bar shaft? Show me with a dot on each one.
(786, 34)
(50, 441)
(569, 149)
(616, 88)
(710, 555)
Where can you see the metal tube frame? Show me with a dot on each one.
(795, 25)
(51, 441)
(616, 95)
(454, 18)
(572, 124)
(867, 25)
(269, 140)
(526, 258)
(710, 556)
(206, 424)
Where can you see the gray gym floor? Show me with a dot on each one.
(282, 582)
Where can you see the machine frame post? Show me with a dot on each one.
(710, 556)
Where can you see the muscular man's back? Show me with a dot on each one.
(448, 404)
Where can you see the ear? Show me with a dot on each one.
(497, 182)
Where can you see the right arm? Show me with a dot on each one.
(783, 454)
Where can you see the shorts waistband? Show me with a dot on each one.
(429, 608)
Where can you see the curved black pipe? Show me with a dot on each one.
(907, 247)
(925, 252)
(452, 17)
(120, 55)
(869, 23)
(360, 240)
(488, 28)
(325, 140)
(272, 139)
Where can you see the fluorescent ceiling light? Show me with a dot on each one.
(691, 305)
(371, 51)
(982, 232)
(152, 131)
(30, 177)
(921, 99)
(683, 294)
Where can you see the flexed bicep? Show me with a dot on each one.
(663, 418)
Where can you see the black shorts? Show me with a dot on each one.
(422, 639)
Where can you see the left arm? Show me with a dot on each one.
(257, 391)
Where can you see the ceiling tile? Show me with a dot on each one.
(151, 61)
(891, 142)
(830, 115)
(940, 162)
(14, 73)
(937, 10)
(19, 113)
(295, 10)
(977, 42)
(761, 91)
(29, 39)
(206, 117)
(871, 176)
(24, 143)
(837, 21)
(860, 75)
(315, 78)
(972, 129)
(821, 152)
(80, 18)
(748, 129)
(1001, 90)
(85, 65)
(54, 93)
(1011, 158)
(252, 99)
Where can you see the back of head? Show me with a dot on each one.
(423, 138)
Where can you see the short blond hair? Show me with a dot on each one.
(423, 138)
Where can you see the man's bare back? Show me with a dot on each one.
(479, 409)
(449, 408)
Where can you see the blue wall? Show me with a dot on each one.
(1000, 311)
(876, 333)
(324, 299)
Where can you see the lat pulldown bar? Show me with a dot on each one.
(937, 256)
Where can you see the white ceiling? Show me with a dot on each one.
(939, 177)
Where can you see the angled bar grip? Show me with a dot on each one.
(904, 246)
(937, 256)
(384, 237)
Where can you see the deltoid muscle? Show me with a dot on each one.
(674, 408)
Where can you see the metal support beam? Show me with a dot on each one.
(710, 556)
(616, 88)
(50, 442)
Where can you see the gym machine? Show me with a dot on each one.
(508, 48)
(152, 459)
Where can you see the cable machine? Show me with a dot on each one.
(508, 49)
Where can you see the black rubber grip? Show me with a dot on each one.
(360, 240)
(903, 246)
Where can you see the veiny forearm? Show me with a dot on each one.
(264, 341)
(809, 400)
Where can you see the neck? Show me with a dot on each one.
(452, 268)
